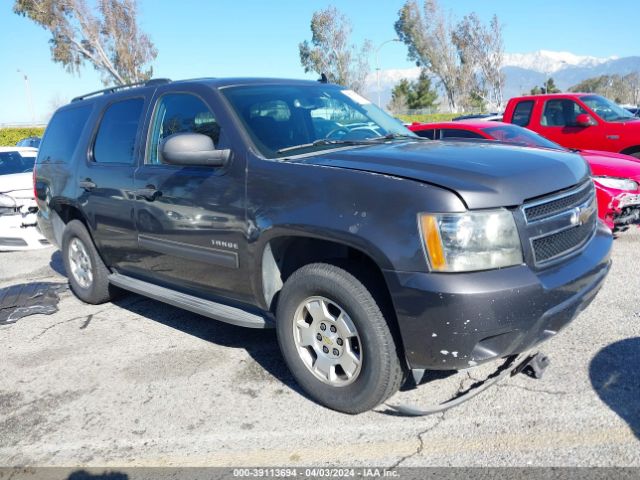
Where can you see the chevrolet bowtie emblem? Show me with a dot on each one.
(580, 215)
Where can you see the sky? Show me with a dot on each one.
(203, 38)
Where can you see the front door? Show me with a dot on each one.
(191, 219)
(558, 124)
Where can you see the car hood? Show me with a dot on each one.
(483, 175)
(18, 185)
(612, 164)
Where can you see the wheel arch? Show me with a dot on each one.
(284, 254)
(62, 214)
(633, 151)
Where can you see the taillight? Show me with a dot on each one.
(35, 190)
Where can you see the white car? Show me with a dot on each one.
(18, 230)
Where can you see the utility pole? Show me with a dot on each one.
(378, 64)
(27, 88)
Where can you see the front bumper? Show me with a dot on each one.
(618, 209)
(456, 321)
(20, 232)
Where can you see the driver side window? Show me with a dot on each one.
(561, 113)
(177, 113)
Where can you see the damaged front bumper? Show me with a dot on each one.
(19, 231)
(619, 210)
(458, 321)
(627, 209)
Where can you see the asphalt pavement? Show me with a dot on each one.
(140, 383)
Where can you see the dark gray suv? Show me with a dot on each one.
(301, 205)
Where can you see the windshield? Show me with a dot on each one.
(13, 162)
(520, 136)
(606, 109)
(291, 119)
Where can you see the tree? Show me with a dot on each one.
(108, 38)
(485, 48)
(400, 96)
(466, 58)
(422, 95)
(413, 95)
(548, 87)
(330, 52)
(427, 36)
(624, 89)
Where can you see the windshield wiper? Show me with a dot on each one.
(316, 143)
(364, 141)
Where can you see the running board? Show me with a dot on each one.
(207, 308)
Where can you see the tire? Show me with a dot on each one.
(348, 306)
(88, 276)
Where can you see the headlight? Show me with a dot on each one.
(617, 183)
(463, 242)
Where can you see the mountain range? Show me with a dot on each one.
(523, 71)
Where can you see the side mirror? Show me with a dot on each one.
(188, 148)
(584, 120)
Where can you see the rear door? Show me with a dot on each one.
(105, 179)
(191, 219)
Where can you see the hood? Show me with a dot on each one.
(612, 164)
(18, 185)
(483, 175)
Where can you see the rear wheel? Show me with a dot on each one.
(335, 339)
(87, 273)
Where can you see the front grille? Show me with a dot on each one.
(561, 224)
(556, 244)
(546, 209)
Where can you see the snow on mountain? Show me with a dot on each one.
(523, 71)
(545, 61)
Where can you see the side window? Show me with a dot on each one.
(522, 113)
(116, 137)
(62, 134)
(430, 133)
(561, 113)
(177, 113)
(458, 133)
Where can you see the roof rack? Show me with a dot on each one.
(116, 88)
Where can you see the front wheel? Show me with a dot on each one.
(335, 339)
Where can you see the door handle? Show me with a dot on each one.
(149, 193)
(87, 184)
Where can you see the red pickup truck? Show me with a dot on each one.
(582, 121)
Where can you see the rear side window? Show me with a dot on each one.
(61, 138)
(116, 137)
(459, 133)
(430, 133)
(522, 113)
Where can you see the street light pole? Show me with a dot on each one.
(378, 64)
(27, 88)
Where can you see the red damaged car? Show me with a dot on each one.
(616, 176)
